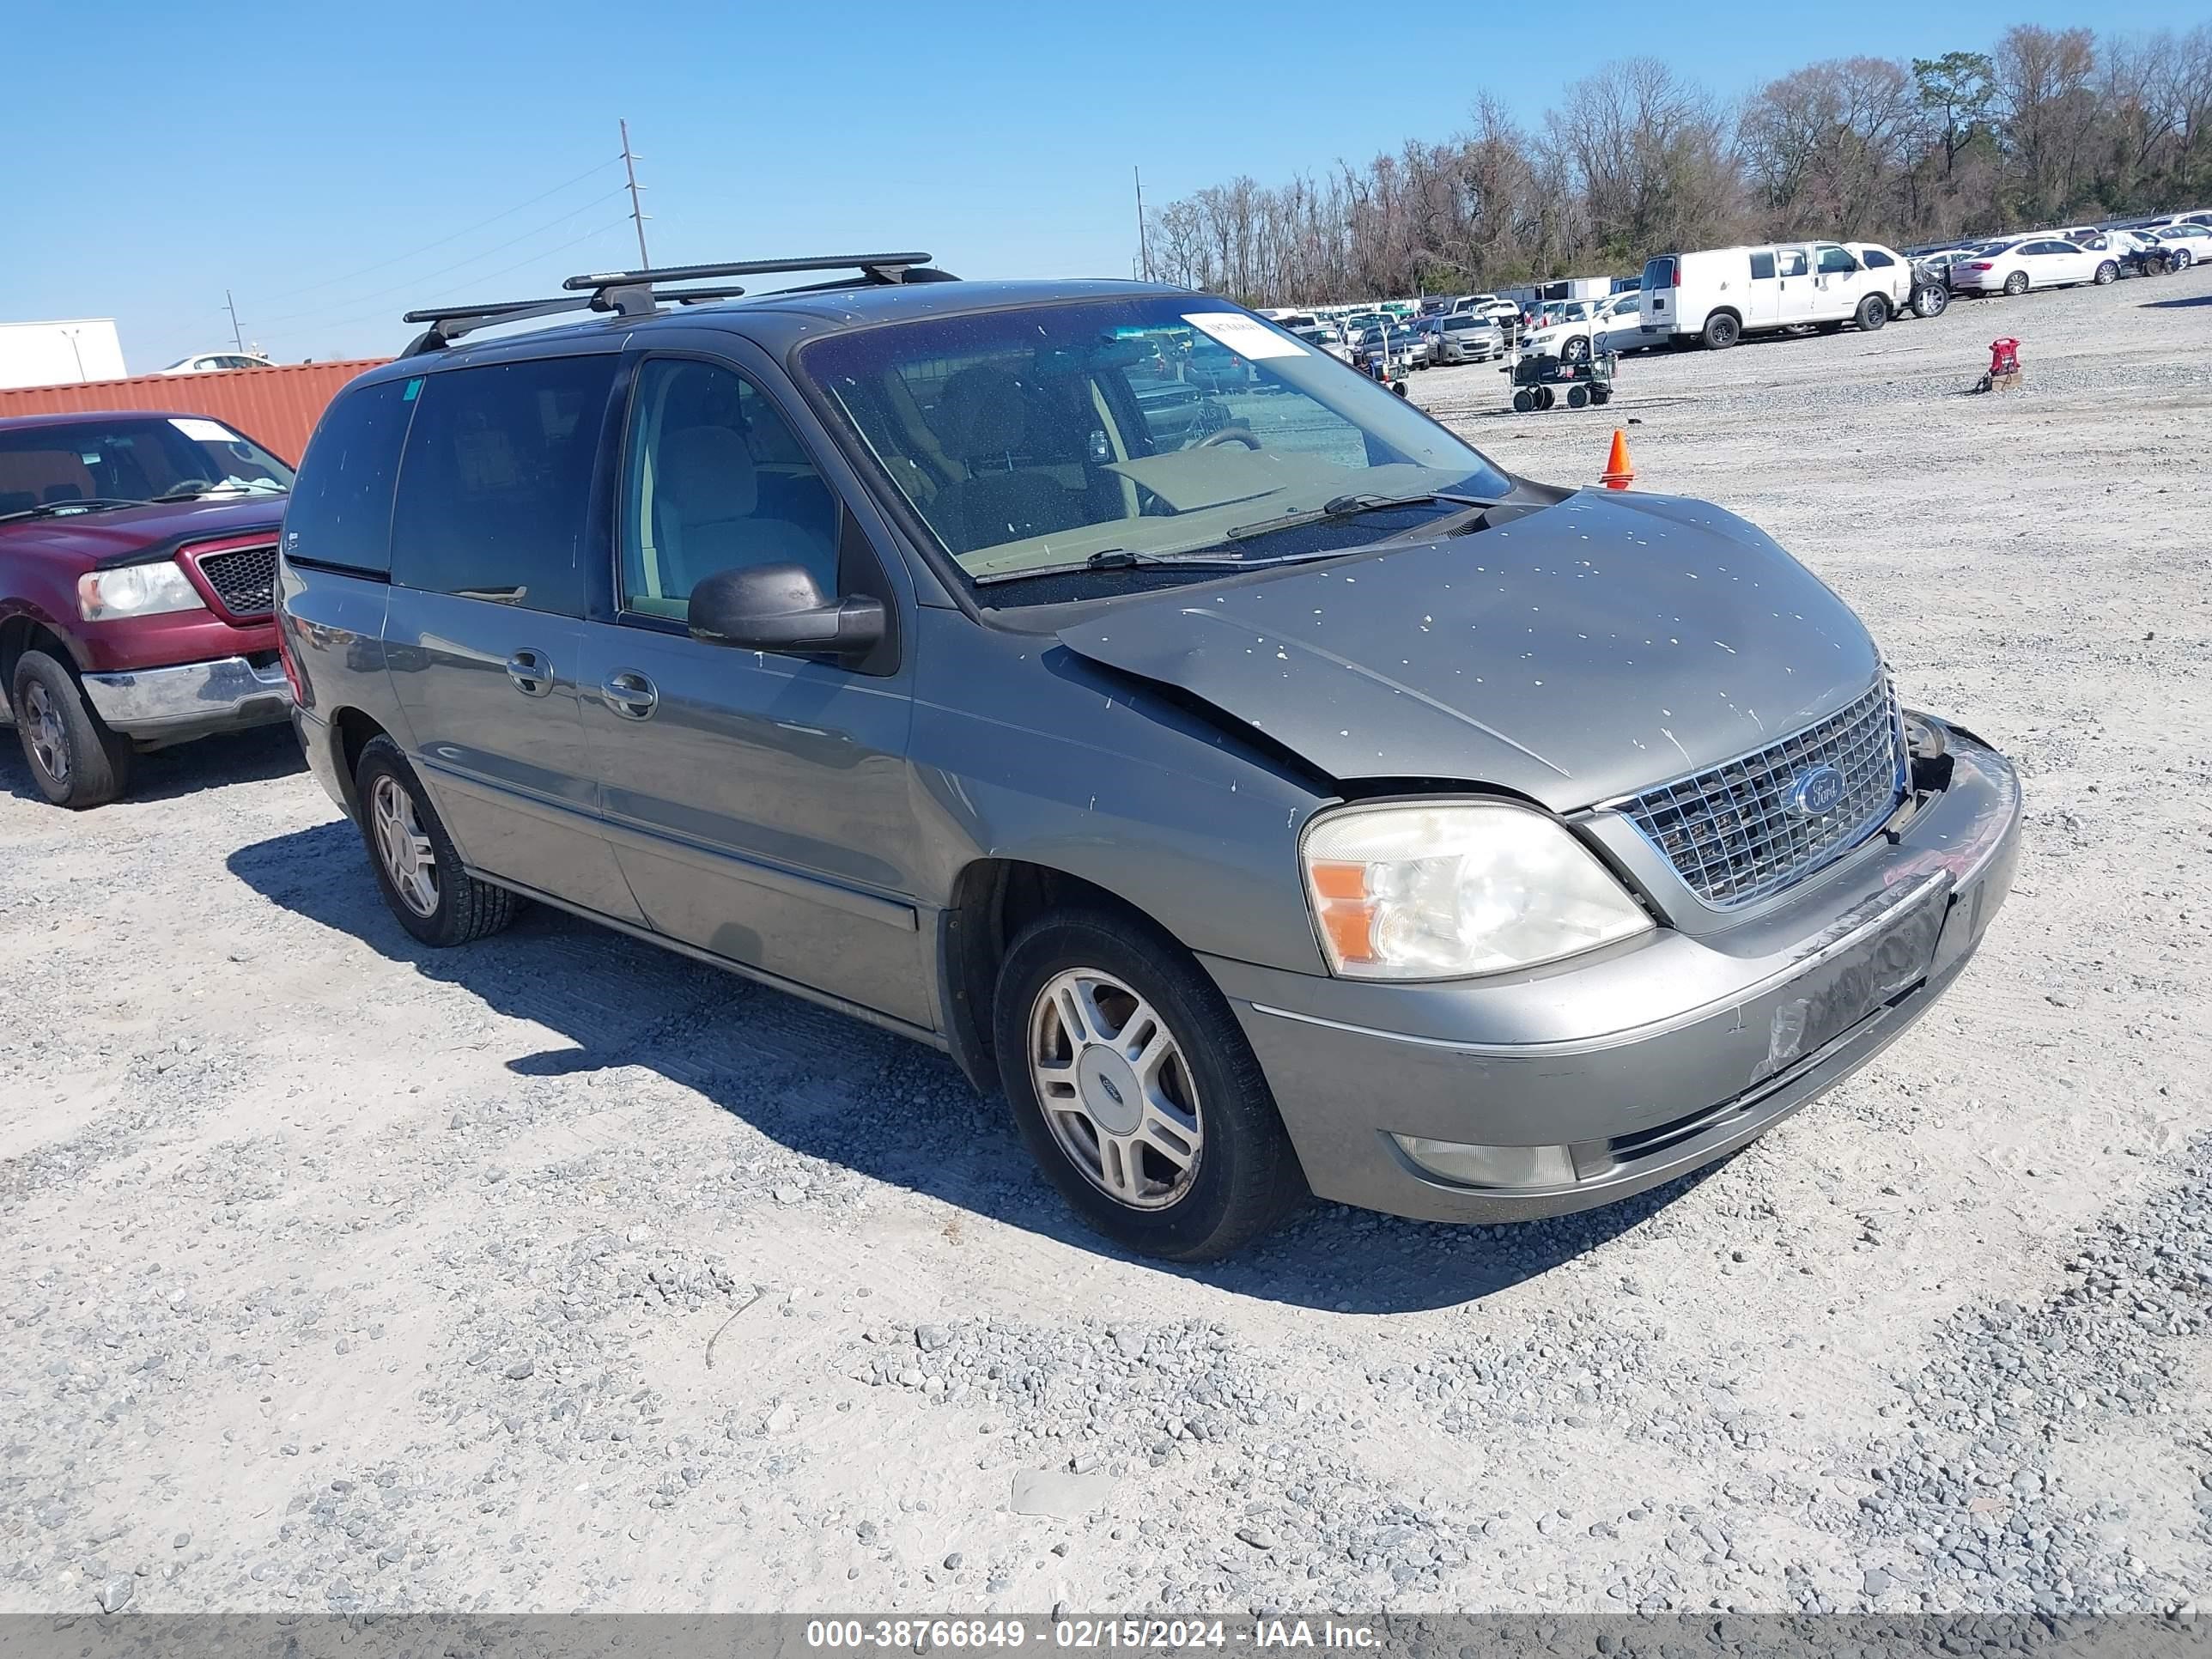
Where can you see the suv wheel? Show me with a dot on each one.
(1874, 312)
(1136, 1092)
(1721, 332)
(76, 759)
(416, 861)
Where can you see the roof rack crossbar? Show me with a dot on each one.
(880, 267)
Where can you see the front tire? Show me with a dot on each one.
(417, 866)
(1721, 330)
(1135, 1091)
(1576, 350)
(75, 758)
(1873, 312)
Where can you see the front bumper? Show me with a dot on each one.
(191, 700)
(1553, 1060)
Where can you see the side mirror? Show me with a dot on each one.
(780, 607)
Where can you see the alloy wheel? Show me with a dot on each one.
(410, 861)
(1116, 1089)
(49, 737)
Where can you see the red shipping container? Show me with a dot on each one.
(277, 407)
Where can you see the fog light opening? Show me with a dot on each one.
(1472, 1165)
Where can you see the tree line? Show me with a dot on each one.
(2051, 126)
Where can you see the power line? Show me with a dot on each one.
(443, 241)
(547, 253)
(417, 281)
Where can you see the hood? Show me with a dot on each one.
(1579, 653)
(128, 534)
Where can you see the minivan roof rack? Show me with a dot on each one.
(633, 293)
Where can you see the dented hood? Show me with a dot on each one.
(1576, 654)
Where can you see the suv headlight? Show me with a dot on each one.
(1418, 891)
(135, 590)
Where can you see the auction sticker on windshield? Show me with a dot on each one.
(203, 432)
(1248, 336)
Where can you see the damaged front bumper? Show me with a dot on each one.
(1504, 1099)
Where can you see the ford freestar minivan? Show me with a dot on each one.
(1266, 791)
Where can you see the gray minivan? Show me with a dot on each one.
(1268, 793)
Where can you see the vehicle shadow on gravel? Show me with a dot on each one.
(254, 757)
(2178, 304)
(834, 1089)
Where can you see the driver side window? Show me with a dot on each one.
(714, 479)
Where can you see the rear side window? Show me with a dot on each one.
(340, 512)
(1659, 273)
(1874, 258)
(1837, 259)
(1762, 267)
(495, 483)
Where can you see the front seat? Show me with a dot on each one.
(981, 421)
(705, 499)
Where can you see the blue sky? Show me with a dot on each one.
(301, 155)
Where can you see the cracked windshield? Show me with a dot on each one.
(1098, 435)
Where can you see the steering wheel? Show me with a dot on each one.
(1227, 435)
(185, 485)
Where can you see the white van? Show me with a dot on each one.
(1717, 295)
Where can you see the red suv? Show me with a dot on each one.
(137, 570)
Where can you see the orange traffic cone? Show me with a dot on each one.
(1618, 474)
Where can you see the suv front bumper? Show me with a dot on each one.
(191, 700)
(1539, 1070)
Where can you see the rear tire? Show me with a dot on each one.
(76, 759)
(2016, 284)
(1873, 312)
(2107, 273)
(1721, 330)
(418, 868)
(1234, 1175)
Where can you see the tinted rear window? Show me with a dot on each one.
(496, 480)
(1658, 273)
(340, 511)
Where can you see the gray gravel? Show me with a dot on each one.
(562, 1273)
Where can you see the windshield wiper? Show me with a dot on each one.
(1121, 558)
(1349, 506)
(82, 504)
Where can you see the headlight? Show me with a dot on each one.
(135, 590)
(1414, 891)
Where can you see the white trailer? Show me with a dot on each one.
(67, 353)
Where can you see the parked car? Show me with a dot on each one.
(1322, 337)
(862, 641)
(2020, 263)
(208, 361)
(2185, 244)
(1466, 336)
(1407, 347)
(1578, 328)
(1717, 295)
(137, 554)
(1913, 289)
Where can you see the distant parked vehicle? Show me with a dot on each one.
(2015, 265)
(2187, 245)
(208, 361)
(1717, 295)
(1324, 337)
(1465, 338)
(1578, 329)
(137, 571)
(1913, 289)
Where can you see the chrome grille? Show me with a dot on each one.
(1732, 832)
(245, 580)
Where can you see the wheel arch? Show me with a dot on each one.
(351, 730)
(23, 632)
(993, 900)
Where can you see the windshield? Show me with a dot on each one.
(1037, 437)
(130, 459)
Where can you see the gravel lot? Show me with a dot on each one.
(560, 1273)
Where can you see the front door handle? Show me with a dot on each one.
(531, 672)
(629, 694)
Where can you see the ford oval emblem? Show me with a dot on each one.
(1816, 791)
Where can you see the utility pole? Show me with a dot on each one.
(1144, 253)
(236, 338)
(636, 212)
